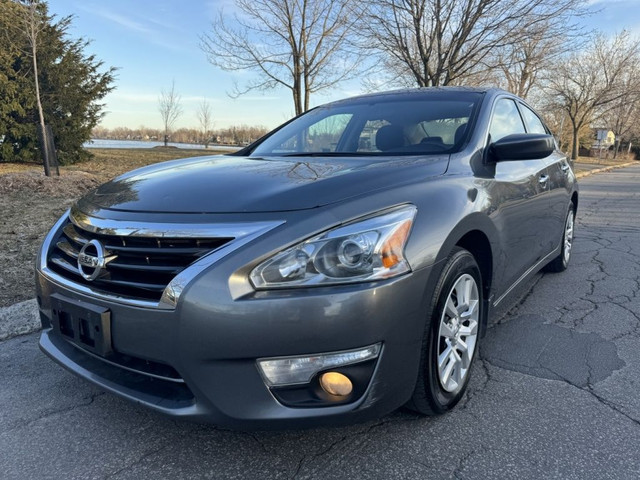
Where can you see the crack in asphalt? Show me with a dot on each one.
(136, 462)
(337, 442)
(472, 392)
(587, 389)
(596, 298)
(635, 331)
(206, 430)
(318, 455)
(350, 438)
(608, 403)
(462, 461)
(60, 411)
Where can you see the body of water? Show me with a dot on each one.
(100, 143)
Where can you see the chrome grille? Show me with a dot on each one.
(143, 268)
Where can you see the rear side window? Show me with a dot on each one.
(534, 124)
(506, 120)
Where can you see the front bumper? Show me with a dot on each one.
(214, 336)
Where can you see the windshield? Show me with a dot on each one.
(403, 125)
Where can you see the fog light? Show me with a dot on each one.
(335, 383)
(283, 371)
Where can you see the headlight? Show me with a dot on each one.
(368, 249)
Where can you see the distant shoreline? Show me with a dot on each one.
(104, 143)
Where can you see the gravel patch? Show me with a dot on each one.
(19, 319)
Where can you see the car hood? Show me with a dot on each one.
(229, 184)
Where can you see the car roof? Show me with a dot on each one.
(417, 93)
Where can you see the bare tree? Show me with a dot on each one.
(589, 85)
(170, 109)
(205, 118)
(300, 45)
(443, 42)
(624, 114)
(525, 62)
(31, 25)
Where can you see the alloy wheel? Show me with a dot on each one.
(458, 333)
(568, 237)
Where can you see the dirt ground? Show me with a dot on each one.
(30, 204)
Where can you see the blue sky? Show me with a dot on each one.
(155, 42)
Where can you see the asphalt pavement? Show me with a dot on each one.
(554, 395)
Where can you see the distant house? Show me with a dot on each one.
(603, 139)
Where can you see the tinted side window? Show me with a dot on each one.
(534, 125)
(321, 136)
(506, 120)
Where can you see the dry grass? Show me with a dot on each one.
(111, 162)
(67, 185)
(30, 203)
(18, 167)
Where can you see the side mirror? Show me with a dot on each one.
(522, 146)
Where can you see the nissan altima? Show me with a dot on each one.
(342, 266)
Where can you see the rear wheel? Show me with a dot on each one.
(561, 262)
(450, 344)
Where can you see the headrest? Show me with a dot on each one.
(389, 137)
(460, 131)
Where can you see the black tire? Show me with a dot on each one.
(431, 396)
(561, 262)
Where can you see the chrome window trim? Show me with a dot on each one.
(243, 233)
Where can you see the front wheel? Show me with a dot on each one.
(450, 344)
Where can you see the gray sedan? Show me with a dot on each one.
(340, 267)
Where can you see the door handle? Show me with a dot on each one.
(543, 179)
(564, 167)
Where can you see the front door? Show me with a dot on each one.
(520, 189)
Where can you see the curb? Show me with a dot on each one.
(19, 319)
(605, 169)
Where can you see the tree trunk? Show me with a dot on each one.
(297, 96)
(44, 143)
(574, 146)
(306, 93)
(51, 150)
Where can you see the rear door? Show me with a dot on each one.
(558, 170)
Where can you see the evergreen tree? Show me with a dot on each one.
(72, 83)
(15, 92)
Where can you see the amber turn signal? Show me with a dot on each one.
(392, 248)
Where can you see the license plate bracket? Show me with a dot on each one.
(84, 324)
